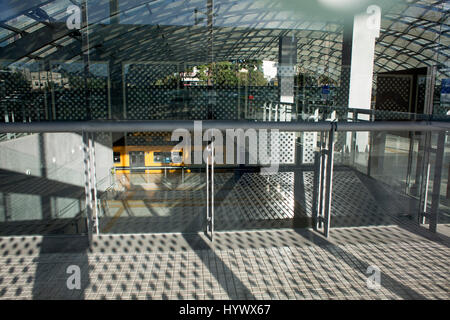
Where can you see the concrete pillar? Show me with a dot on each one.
(287, 60)
(346, 60)
(366, 28)
(344, 138)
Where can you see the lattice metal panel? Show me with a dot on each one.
(342, 91)
(441, 105)
(150, 92)
(309, 146)
(264, 96)
(225, 98)
(227, 101)
(286, 147)
(197, 96)
(149, 139)
(98, 90)
(196, 102)
(80, 94)
(19, 100)
(341, 99)
(393, 94)
(421, 87)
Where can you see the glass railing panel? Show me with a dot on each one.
(152, 188)
(373, 187)
(261, 190)
(42, 185)
(444, 205)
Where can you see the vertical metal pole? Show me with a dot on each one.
(86, 61)
(410, 159)
(429, 90)
(276, 112)
(329, 181)
(264, 112)
(207, 192)
(435, 197)
(353, 142)
(270, 111)
(322, 179)
(8, 135)
(425, 179)
(87, 185)
(94, 180)
(317, 189)
(212, 190)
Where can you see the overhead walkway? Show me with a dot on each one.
(357, 191)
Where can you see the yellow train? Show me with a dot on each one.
(151, 152)
(143, 158)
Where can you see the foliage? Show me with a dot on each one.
(307, 78)
(224, 73)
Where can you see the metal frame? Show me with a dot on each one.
(431, 216)
(91, 200)
(434, 214)
(169, 125)
(210, 191)
(324, 159)
(323, 182)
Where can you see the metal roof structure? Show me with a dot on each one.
(413, 33)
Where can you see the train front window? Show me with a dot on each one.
(167, 157)
(177, 157)
(116, 157)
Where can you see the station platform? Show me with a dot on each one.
(263, 264)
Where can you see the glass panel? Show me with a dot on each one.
(252, 61)
(375, 189)
(444, 204)
(42, 184)
(151, 188)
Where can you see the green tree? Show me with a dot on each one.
(305, 79)
(227, 73)
(252, 78)
(171, 80)
(224, 74)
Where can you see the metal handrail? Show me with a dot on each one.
(150, 168)
(170, 125)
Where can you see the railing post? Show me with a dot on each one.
(425, 178)
(94, 181)
(329, 179)
(317, 190)
(88, 185)
(353, 142)
(322, 179)
(435, 197)
(210, 190)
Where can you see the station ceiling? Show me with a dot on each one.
(413, 33)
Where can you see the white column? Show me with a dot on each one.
(366, 28)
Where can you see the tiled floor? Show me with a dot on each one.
(251, 201)
(281, 264)
(144, 203)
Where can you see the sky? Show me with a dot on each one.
(269, 69)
